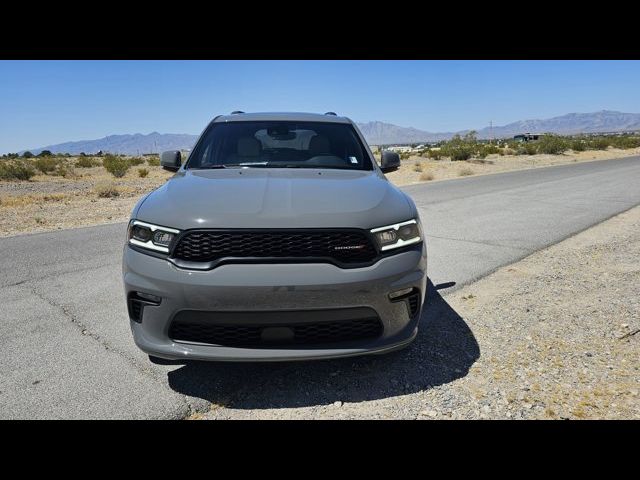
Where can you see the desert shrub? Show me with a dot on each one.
(426, 176)
(45, 153)
(63, 170)
(578, 145)
(625, 142)
(464, 172)
(116, 166)
(27, 154)
(417, 167)
(135, 161)
(87, 162)
(552, 144)
(527, 148)
(143, 172)
(16, 170)
(488, 149)
(405, 155)
(434, 154)
(46, 164)
(107, 190)
(153, 161)
(599, 143)
(481, 153)
(508, 151)
(460, 148)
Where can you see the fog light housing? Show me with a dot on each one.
(148, 297)
(400, 293)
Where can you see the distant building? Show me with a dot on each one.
(526, 137)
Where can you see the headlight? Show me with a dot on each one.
(153, 237)
(398, 235)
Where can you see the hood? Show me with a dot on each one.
(276, 198)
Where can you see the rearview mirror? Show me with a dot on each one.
(171, 160)
(390, 161)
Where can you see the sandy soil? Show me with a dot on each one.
(51, 203)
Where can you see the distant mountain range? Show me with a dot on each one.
(376, 133)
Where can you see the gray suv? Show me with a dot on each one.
(279, 238)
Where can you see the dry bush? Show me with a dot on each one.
(107, 190)
(143, 172)
(426, 176)
(116, 166)
(465, 172)
(153, 161)
(47, 164)
(418, 167)
(22, 200)
(16, 170)
(87, 162)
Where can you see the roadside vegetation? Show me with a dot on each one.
(468, 146)
(25, 166)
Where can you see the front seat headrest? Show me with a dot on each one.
(249, 147)
(319, 145)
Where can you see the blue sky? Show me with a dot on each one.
(49, 102)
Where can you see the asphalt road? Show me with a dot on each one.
(67, 351)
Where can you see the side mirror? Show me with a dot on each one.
(171, 160)
(390, 161)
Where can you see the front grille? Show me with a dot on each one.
(254, 335)
(342, 246)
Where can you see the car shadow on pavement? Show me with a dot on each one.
(443, 351)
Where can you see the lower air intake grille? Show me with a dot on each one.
(258, 335)
(414, 304)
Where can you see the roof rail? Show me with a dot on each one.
(235, 112)
(331, 113)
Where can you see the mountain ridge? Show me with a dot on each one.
(376, 132)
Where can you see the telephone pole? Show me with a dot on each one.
(490, 131)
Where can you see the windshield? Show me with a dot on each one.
(277, 144)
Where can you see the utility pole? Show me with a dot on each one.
(490, 131)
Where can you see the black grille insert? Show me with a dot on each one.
(342, 246)
(289, 334)
(414, 304)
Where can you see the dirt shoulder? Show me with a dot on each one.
(53, 203)
(553, 336)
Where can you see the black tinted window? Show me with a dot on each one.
(280, 144)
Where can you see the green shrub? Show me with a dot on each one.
(116, 166)
(599, 143)
(434, 154)
(153, 161)
(527, 148)
(46, 164)
(87, 162)
(27, 154)
(135, 161)
(16, 170)
(552, 144)
(460, 148)
(578, 146)
(45, 153)
(625, 141)
(143, 172)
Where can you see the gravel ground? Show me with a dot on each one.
(555, 335)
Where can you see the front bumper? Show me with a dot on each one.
(273, 287)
